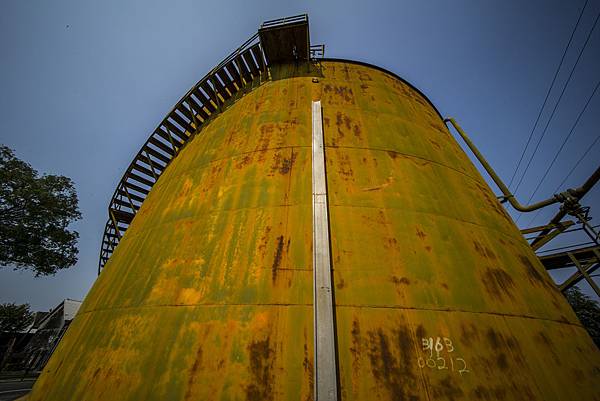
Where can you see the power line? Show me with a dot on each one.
(559, 186)
(533, 218)
(557, 103)
(564, 142)
(577, 164)
(562, 59)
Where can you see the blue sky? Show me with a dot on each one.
(85, 82)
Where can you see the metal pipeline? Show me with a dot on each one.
(505, 191)
(572, 195)
(587, 185)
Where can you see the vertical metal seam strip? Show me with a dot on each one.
(325, 380)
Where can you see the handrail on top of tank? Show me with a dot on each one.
(570, 195)
(234, 53)
(317, 51)
(284, 21)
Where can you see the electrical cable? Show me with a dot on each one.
(547, 94)
(557, 102)
(533, 218)
(559, 186)
(578, 161)
(564, 142)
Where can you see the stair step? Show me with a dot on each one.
(125, 203)
(137, 188)
(181, 121)
(140, 179)
(257, 53)
(161, 145)
(122, 216)
(199, 107)
(233, 72)
(133, 197)
(157, 155)
(211, 96)
(222, 74)
(219, 87)
(245, 72)
(175, 130)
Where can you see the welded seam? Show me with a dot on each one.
(516, 236)
(273, 304)
(410, 308)
(208, 213)
(212, 211)
(207, 164)
(408, 155)
(207, 305)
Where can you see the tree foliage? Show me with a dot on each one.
(587, 310)
(14, 318)
(35, 212)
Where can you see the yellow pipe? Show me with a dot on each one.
(505, 191)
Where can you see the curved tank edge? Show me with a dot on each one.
(394, 75)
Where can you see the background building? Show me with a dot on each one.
(35, 345)
(48, 334)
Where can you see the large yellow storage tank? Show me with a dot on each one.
(209, 295)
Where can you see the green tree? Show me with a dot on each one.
(13, 319)
(587, 310)
(35, 212)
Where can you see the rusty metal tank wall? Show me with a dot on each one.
(209, 294)
(438, 296)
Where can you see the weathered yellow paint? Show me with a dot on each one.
(422, 249)
(209, 294)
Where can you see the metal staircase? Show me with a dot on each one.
(248, 65)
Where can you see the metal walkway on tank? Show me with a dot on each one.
(243, 68)
(202, 102)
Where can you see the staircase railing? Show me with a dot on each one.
(202, 102)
